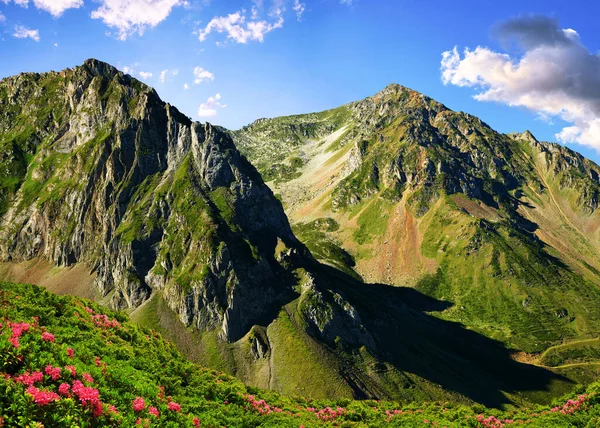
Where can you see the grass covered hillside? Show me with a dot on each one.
(65, 361)
(401, 190)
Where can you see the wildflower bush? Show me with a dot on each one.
(68, 362)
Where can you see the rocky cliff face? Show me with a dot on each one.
(97, 169)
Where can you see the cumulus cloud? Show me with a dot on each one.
(54, 7)
(24, 32)
(209, 108)
(554, 75)
(200, 75)
(299, 9)
(186, 86)
(134, 16)
(240, 29)
(347, 2)
(2, 17)
(145, 75)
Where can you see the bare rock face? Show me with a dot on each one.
(111, 176)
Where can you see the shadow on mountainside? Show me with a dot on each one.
(437, 350)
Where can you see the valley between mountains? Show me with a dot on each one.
(390, 248)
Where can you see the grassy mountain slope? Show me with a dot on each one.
(403, 191)
(173, 225)
(66, 361)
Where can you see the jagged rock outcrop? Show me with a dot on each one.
(109, 175)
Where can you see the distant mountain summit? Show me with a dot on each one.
(405, 191)
(107, 191)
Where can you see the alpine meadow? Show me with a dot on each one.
(384, 261)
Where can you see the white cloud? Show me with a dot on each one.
(57, 7)
(145, 75)
(241, 30)
(299, 9)
(209, 108)
(134, 16)
(2, 17)
(186, 86)
(556, 76)
(54, 7)
(162, 75)
(55, 45)
(201, 75)
(24, 32)
(347, 2)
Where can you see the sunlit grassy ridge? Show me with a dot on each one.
(66, 361)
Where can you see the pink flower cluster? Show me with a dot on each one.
(138, 404)
(53, 372)
(261, 406)
(29, 379)
(493, 422)
(88, 397)
(17, 331)
(40, 397)
(63, 389)
(571, 406)
(47, 337)
(327, 414)
(391, 413)
(103, 321)
(174, 407)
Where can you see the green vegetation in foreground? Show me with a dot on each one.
(67, 361)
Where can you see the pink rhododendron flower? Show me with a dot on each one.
(53, 372)
(138, 404)
(153, 411)
(174, 407)
(72, 370)
(197, 422)
(87, 377)
(63, 389)
(29, 379)
(70, 352)
(47, 337)
(86, 394)
(42, 398)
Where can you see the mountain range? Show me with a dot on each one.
(390, 248)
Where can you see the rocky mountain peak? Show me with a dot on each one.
(104, 173)
(99, 68)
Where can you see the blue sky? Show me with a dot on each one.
(268, 61)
